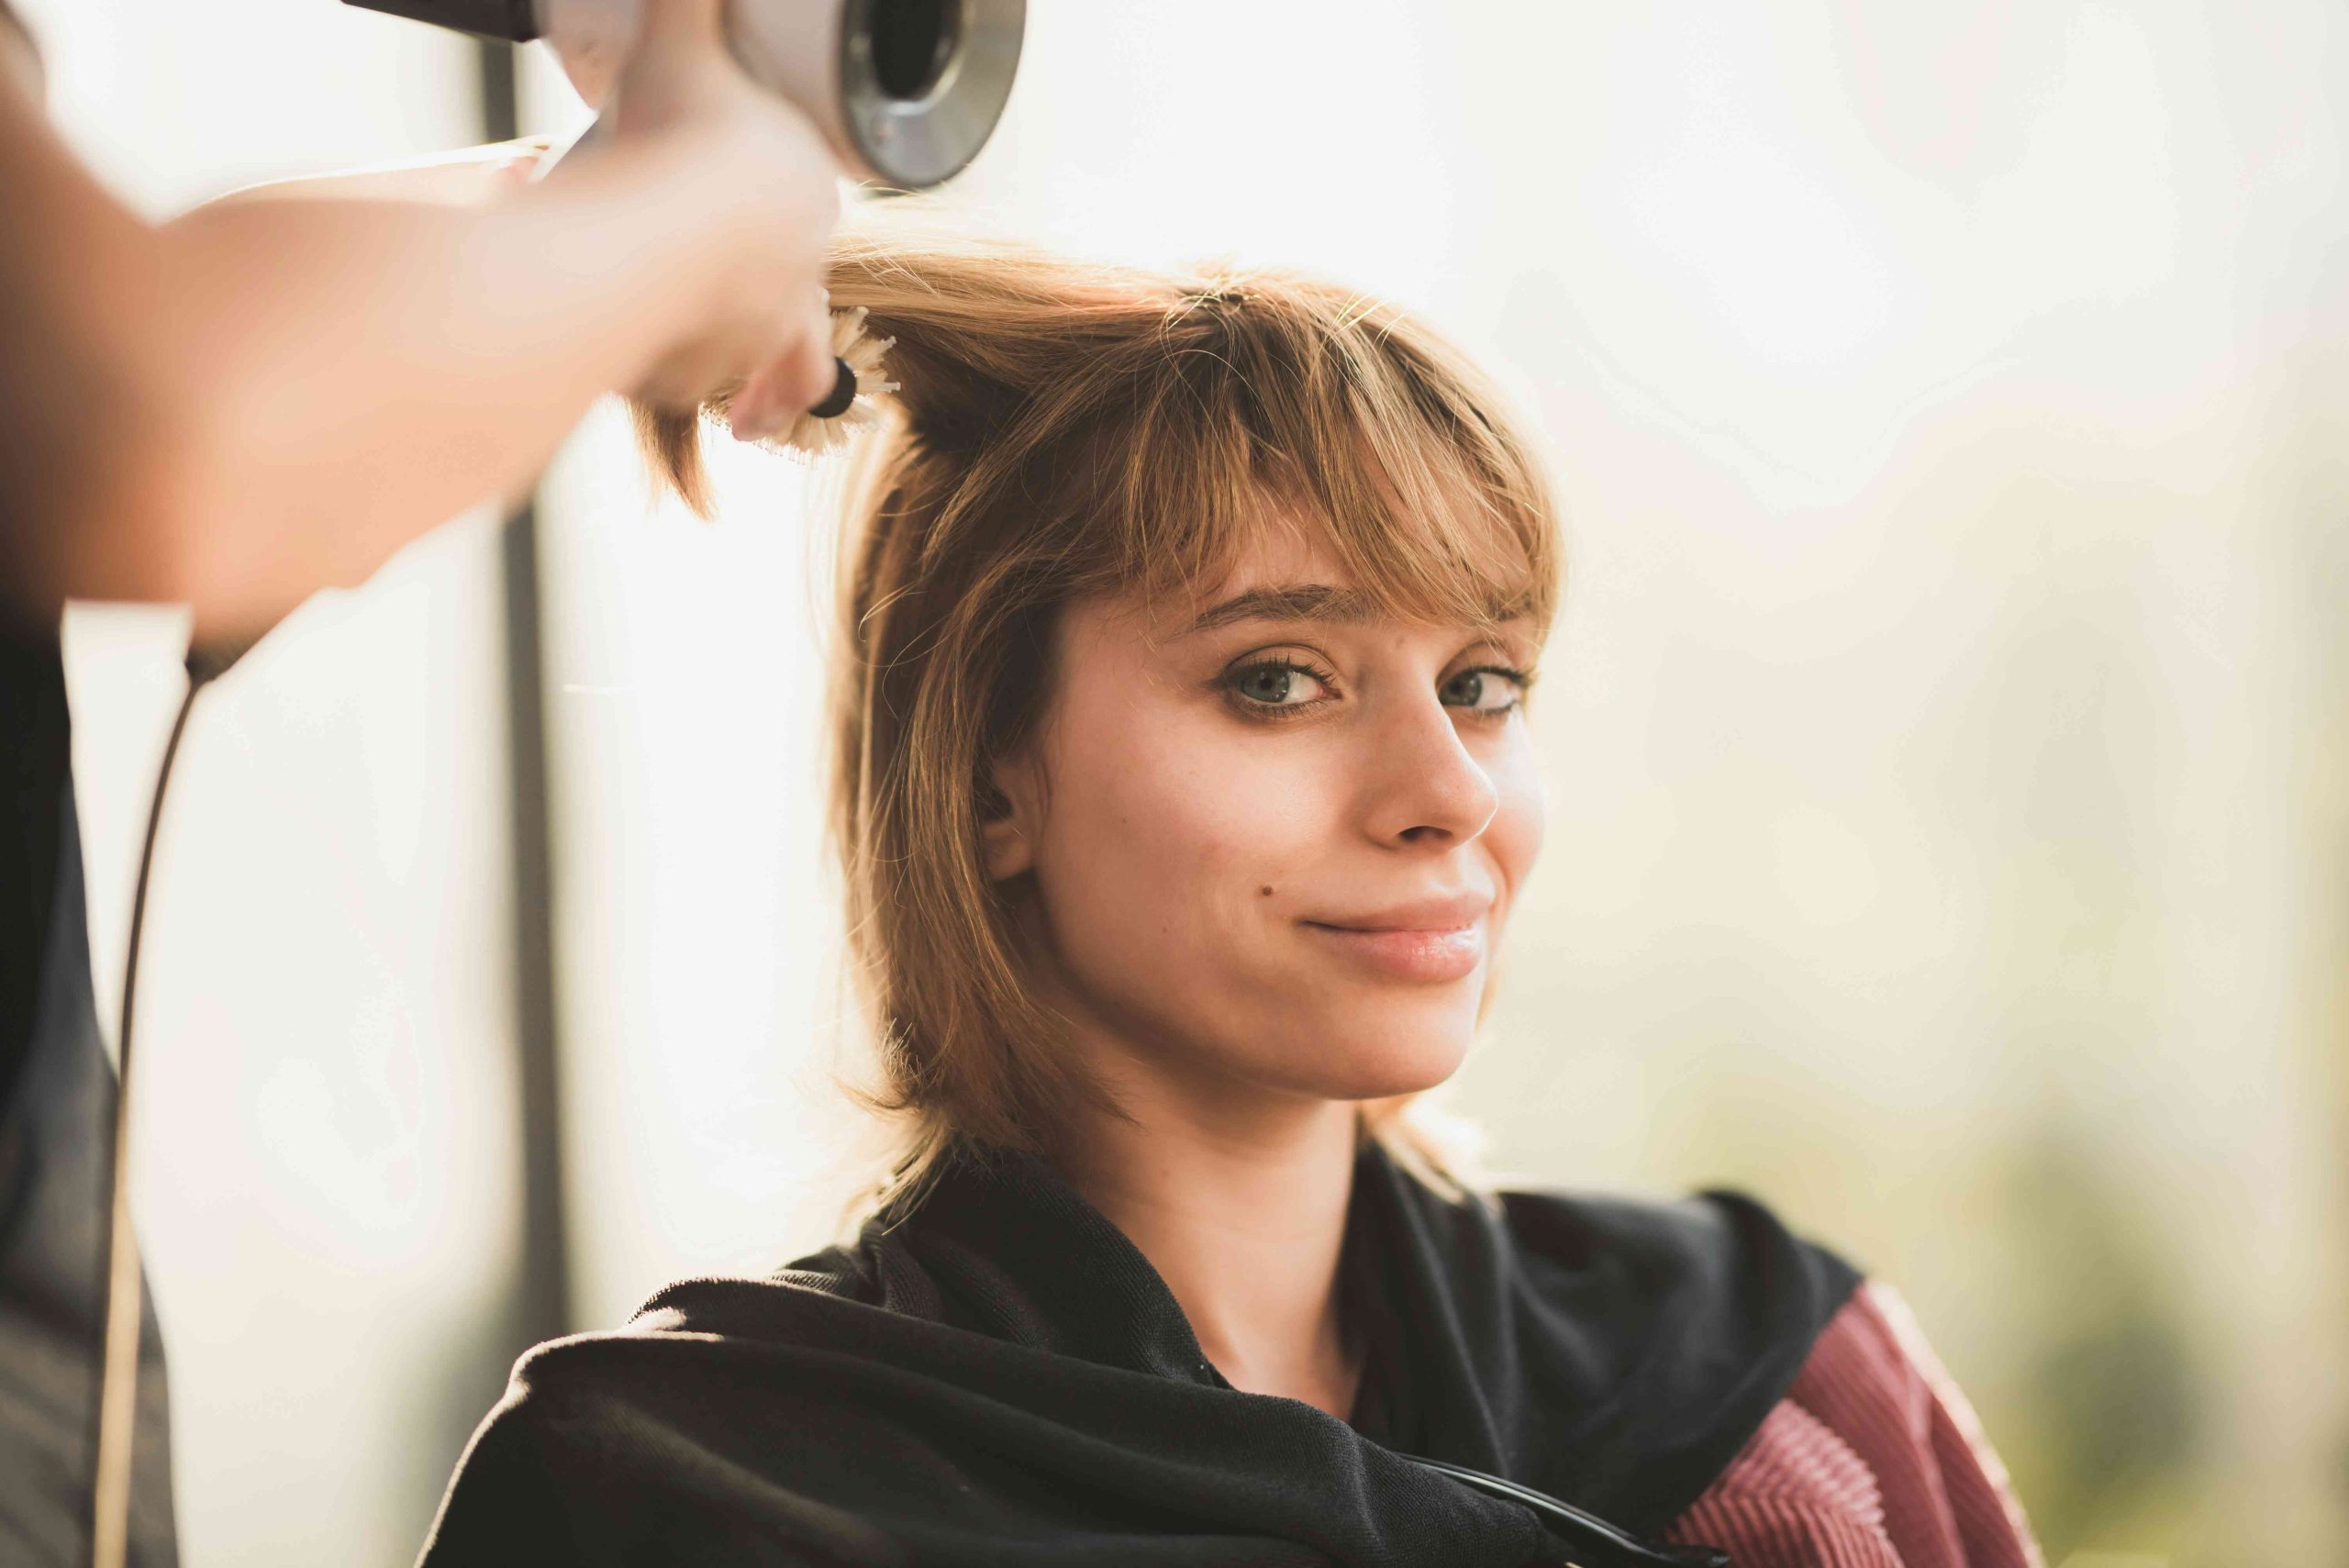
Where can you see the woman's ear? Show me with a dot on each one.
(1014, 812)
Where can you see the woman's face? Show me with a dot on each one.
(1274, 838)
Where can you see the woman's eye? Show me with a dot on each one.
(1277, 685)
(1485, 691)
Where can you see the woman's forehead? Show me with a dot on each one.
(1267, 599)
(1292, 572)
(1286, 552)
(1279, 571)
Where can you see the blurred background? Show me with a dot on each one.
(1948, 733)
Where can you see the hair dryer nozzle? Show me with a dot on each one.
(907, 90)
(910, 90)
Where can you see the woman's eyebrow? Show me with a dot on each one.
(1287, 601)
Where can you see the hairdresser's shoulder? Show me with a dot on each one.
(1719, 1245)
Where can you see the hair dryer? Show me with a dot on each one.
(907, 90)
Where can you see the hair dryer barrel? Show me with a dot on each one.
(907, 90)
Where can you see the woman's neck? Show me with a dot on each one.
(1242, 1211)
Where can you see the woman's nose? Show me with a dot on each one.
(1422, 784)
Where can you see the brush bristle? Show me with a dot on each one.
(811, 437)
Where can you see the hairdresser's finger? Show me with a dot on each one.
(800, 378)
(808, 369)
(592, 42)
(766, 403)
(675, 18)
(801, 375)
(690, 373)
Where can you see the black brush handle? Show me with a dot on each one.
(515, 19)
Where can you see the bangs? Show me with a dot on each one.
(1272, 401)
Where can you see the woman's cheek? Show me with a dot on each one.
(1168, 807)
(1523, 813)
(1225, 827)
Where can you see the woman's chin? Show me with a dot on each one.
(1374, 1064)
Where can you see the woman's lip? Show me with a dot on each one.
(1409, 954)
(1434, 912)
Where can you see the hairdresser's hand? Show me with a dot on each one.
(408, 359)
(591, 41)
(758, 179)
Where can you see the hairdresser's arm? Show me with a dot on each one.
(267, 396)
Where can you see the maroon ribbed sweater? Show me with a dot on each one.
(1873, 1459)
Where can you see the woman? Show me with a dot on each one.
(1183, 791)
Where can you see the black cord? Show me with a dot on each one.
(118, 1412)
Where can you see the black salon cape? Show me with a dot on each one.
(1005, 1379)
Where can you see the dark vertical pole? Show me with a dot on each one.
(500, 72)
(544, 1309)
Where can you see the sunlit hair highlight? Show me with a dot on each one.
(1069, 429)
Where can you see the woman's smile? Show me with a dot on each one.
(1428, 939)
(1423, 955)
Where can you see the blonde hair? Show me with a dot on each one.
(1068, 430)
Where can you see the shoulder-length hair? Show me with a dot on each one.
(1066, 429)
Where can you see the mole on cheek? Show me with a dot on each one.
(1264, 892)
